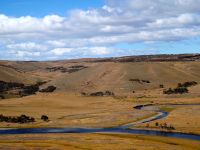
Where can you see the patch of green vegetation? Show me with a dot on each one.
(146, 116)
(139, 119)
(140, 100)
(167, 109)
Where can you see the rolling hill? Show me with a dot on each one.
(122, 77)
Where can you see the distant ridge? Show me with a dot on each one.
(135, 58)
(149, 58)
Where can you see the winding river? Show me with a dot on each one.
(121, 129)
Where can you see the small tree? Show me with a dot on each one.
(161, 86)
(44, 118)
(157, 124)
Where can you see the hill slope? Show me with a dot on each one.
(128, 77)
(120, 77)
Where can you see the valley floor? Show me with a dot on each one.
(70, 110)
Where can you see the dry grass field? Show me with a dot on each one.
(94, 142)
(185, 119)
(69, 110)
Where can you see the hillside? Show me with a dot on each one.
(121, 77)
(10, 74)
(116, 77)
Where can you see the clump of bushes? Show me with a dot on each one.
(70, 69)
(178, 90)
(181, 88)
(29, 90)
(5, 86)
(45, 118)
(106, 93)
(19, 89)
(187, 84)
(100, 93)
(19, 119)
(164, 126)
(139, 81)
(49, 89)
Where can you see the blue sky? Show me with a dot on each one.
(66, 29)
(40, 8)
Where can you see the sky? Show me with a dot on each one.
(69, 29)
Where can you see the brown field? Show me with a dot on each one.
(69, 110)
(184, 118)
(94, 142)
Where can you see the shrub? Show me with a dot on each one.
(29, 90)
(18, 119)
(2, 97)
(178, 90)
(83, 93)
(146, 81)
(44, 118)
(106, 93)
(187, 84)
(161, 86)
(49, 89)
(157, 124)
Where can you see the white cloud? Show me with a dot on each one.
(126, 21)
(27, 46)
(60, 51)
(99, 50)
(84, 50)
(56, 43)
(24, 54)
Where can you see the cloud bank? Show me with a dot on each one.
(96, 32)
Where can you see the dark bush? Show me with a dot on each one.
(161, 86)
(178, 90)
(157, 124)
(146, 81)
(44, 118)
(139, 81)
(2, 97)
(20, 119)
(5, 86)
(169, 91)
(83, 94)
(97, 94)
(49, 89)
(29, 90)
(106, 93)
(187, 84)
(134, 80)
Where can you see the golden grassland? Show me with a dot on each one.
(184, 119)
(69, 110)
(94, 141)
